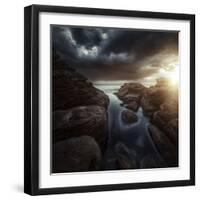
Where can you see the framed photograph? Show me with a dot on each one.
(109, 100)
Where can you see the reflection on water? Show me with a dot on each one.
(108, 89)
(134, 136)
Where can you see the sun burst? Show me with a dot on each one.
(174, 76)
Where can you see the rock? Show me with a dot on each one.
(130, 88)
(81, 120)
(133, 106)
(125, 158)
(171, 106)
(71, 89)
(167, 120)
(148, 162)
(147, 107)
(76, 154)
(152, 99)
(129, 116)
(155, 96)
(130, 94)
(174, 124)
(168, 150)
(160, 118)
(171, 130)
(129, 99)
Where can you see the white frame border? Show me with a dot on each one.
(48, 180)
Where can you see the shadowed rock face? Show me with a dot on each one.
(125, 158)
(80, 123)
(129, 116)
(130, 88)
(160, 104)
(147, 106)
(130, 94)
(76, 154)
(71, 89)
(81, 120)
(155, 96)
(134, 105)
(165, 147)
(164, 130)
(167, 122)
(148, 162)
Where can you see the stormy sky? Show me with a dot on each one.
(108, 54)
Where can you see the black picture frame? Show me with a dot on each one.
(31, 98)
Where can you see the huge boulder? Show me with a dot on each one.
(129, 116)
(147, 106)
(134, 105)
(152, 99)
(130, 88)
(125, 157)
(130, 94)
(155, 96)
(170, 105)
(165, 147)
(148, 162)
(76, 154)
(81, 120)
(71, 89)
(171, 130)
(166, 119)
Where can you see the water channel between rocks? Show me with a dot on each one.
(134, 137)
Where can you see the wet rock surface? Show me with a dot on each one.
(130, 88)
(160, 104)
(81, 120)
(152, 99)
(80, 124)
(76, 154)
(125, 158)
(129, 116)
(148, 162)
(134, 105)
(71, 89)
(167, 122)
(120, 157)
(164, 146)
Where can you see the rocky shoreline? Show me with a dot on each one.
(160, 104)
(80, 122)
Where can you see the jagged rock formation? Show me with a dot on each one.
(79, 110)
(130, 88)
(129, 116)
(81, 120)
(76, 154)
(125, 158)
(71, 89)
(168, 151)
(160, 104)
(130, 94)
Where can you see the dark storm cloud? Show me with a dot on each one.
(142, 42)
(63, 45)
(108, 53)
(87, 37)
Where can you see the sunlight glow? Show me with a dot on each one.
(174, 76)
(171, 72)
